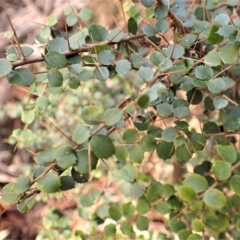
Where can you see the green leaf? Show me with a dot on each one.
(156, 58)
(110, 230)
(143, 101)
(98, 33)
(221, 169)
(55, 78)
(186, 193)
(26, 135)
(176, 225)
(55, 59)
(194, 236)
(175, 51)
(65, 157)
(21, 76)
(83, 160)
(79, 177)
(165, 65)
(197, 182)
(121, 153)
(67, 183)
(169, 134)
(116, 35)
(181, 112)
(210, 127)
(149, 30)
(128, 209)
(214, 198)
(194, 96)
(226, 31)
(101, 73)
(130, 135)
(5, 67)
(12, 57)
(137, 60)
(106, 57)
(235, 184)
(112, 116)
(137, 190)
(203, 72)
(183, 153)
(91, 115)
(8, 194)
(22, 207)
(77, 39)
(212, 59)
(219, 102)
(162, 25)
(115, 212)
(80, 134)
(74, 82)
(8, 34)
(161, 11)
(45, 157)
(167, 191)
(142, 205)
(142, 223)
(183, 234)
(75, 69)
(51, 20)
(164, 109)
(145, 73)
(222, 19)
(132, 26)
(229, 54)
(71, 20)
(216, 85)
(163, 208)
(45, 32)
(154, 192)
(126, 228)
(197, 206)
(27, 51)
(227, 153)
(22, 184)
(231, 124)
(136, 154)
(123, 67)
(42, 103)
(165, 150)
(148, 143)
(147, 3)
(102, 146)
(213, 37)
(198, 141)
(28, 116)
(188, 39)
(85, 14)
(50, 183)
(128, 173)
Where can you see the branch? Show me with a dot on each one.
(86, 48)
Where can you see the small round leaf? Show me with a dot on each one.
(50, 183)
(214, 198)
(102, 146)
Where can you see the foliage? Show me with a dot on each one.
(111, 102)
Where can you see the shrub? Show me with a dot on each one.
(114, 103)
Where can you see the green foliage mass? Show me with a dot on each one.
(111, 103)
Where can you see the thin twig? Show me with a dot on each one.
(22, 57)
(86, 48)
